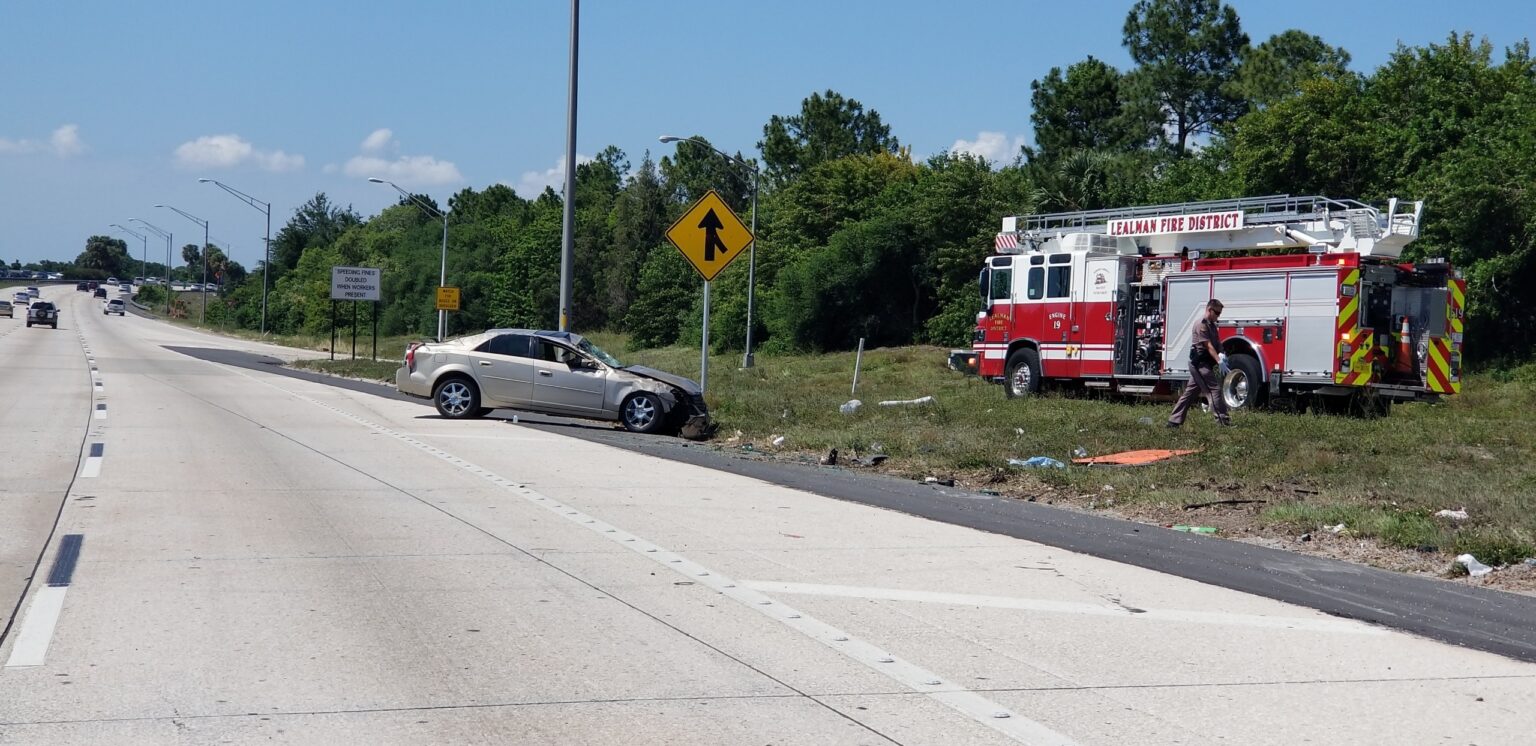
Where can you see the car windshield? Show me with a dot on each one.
(599, 353)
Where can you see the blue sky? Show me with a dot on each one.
(108, 108)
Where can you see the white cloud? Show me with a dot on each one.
(420, 170)
(228, 151)
(377, 140)
(993, 146)
(407, 169)
(64, 142)
(532, 183)
(330, 168)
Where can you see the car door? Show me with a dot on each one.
(565, 381)
(504, 370)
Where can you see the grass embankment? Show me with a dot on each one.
(1382, 478)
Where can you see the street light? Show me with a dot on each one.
(204, 314)
(746, 359)
(267, 262)
(144, 261)
(442, 276)
(167, 236)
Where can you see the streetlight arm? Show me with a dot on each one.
(158, 231)
(187, 215)
(248, 199)
(748, 165)
(429, 209)
(130, 232)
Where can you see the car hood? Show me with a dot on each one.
(670, 379)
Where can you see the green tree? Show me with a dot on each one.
(1087, 109)
(317, 222)
(104, 253)
(1275, 69)
(828, 127)
(1188, 52)
(192, 256)
(640, 218)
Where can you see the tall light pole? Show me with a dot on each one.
(568, 220)
(442, 273)
(204, 315)
(746, 359)
(144, 261)
(167, 236)
(265, 263)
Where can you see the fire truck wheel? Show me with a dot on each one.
(1243, 388)
(1023, 373)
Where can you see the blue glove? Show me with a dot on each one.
(1221, 362)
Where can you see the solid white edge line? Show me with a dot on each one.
(951, 694)
(1066, 607)
(31, 648)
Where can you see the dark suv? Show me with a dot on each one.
(43, 313)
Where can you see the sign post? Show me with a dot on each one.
(710, 236)
(355, 284)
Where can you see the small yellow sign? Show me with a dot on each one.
(710, 235)
(447, 299)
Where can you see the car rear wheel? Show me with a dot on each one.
(641, 413)
(457, 399)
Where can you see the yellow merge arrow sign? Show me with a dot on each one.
(710, 235)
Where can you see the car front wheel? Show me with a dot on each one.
(457, 399)
(641, 413)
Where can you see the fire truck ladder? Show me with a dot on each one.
(1309, 213)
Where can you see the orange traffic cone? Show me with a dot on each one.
(1404, 361)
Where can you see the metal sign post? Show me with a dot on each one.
(355, 284)
(710, 236)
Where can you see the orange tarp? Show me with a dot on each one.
(1133, 458)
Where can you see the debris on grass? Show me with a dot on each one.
(1036, 462)
(1132, 458)
(1194, 529)
(1474, 568)
(778, 441)
(939, 482)
(908, 402)
(1455, 515)
(1336, 529)
(873, 459)
(830, 459)
(1197, 506)
(850, 406)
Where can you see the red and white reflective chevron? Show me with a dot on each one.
(1006, 241)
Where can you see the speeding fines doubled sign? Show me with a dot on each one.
(355, 283)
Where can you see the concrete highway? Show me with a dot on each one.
(197, 553)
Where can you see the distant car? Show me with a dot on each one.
(115, 305)
(33, 291)
(82, 286)
(43, 313)
(125, 288)
(100, 292)
(554, 373)
(111, 280)
(21, 298)
(7, 309)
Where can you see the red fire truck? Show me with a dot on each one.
(1319, 308)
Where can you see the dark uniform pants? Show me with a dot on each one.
(1201, 383)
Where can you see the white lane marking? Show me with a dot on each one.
(1066, 607)
(950, 693)
(31, 647)
(101, 414)
(91, 468)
